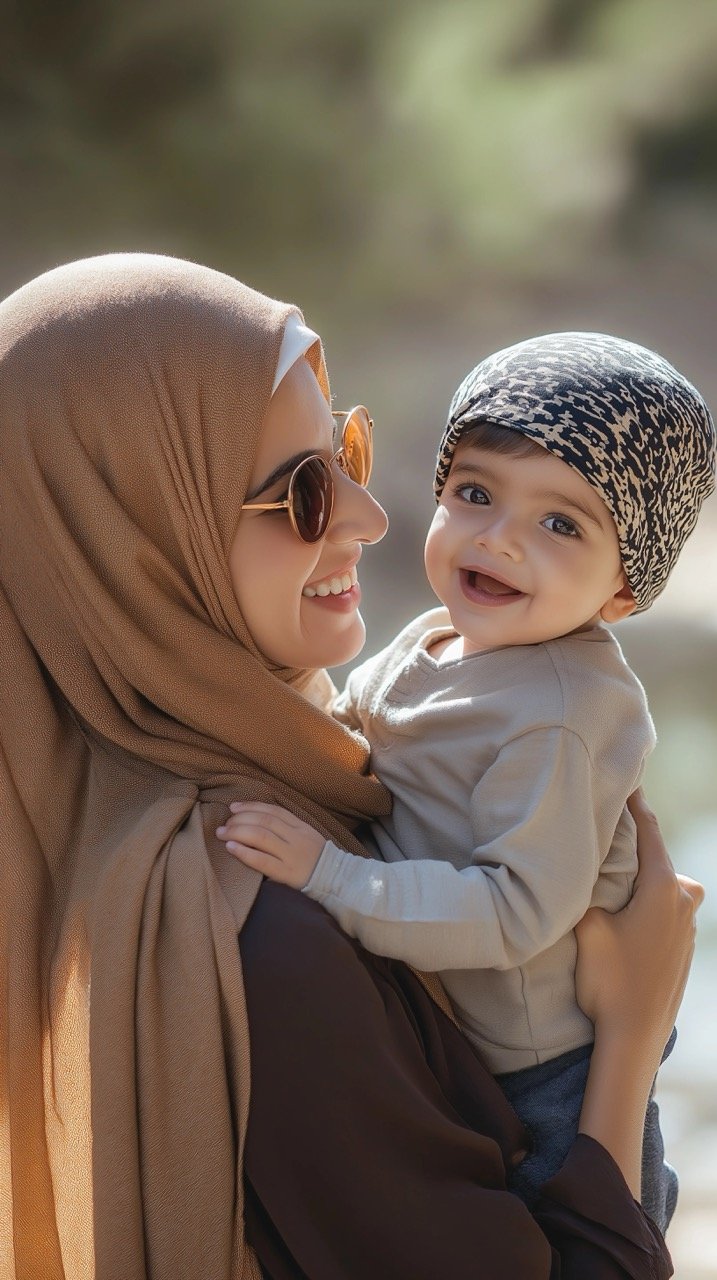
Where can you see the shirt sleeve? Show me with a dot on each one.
(595, 1228)
(586, 1226)
(541, 832)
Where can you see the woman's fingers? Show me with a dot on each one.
(654, 863)
(633, 965)
(694, 889)
(652, 851)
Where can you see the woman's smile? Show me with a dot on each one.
(300, 600)
(340, 592)
(337, 584)
(345, 601)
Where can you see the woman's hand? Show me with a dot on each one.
(633, 966)
(273, 841)
(631, 974)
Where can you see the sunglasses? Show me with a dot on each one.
(310, 499)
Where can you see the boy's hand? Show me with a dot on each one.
(273, 841)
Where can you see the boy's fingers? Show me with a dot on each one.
(256, 858)
(253, 825)
(252, 857)
(272, 814)
(260, 806)
(266, 865)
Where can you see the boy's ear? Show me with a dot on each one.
(621, 605)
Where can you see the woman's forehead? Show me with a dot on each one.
(298, 419)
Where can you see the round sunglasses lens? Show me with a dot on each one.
(311, 498)
(357, 447)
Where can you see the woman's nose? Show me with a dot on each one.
(357, 516)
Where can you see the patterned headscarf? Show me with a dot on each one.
(623, 417)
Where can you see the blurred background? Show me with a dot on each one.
(429, 181)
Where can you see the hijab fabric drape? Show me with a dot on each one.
(134, 704)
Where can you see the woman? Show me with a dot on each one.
(157, 654)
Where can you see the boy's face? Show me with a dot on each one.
(522, 549)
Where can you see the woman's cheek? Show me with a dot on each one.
(433, 550)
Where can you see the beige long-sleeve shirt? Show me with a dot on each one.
(509, 771)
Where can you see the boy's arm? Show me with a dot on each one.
(537, 854)
(538, 825)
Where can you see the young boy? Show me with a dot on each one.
(507, 725)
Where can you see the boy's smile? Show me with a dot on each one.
(522, 549)
(486, 588)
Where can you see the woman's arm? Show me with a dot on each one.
(631, 975)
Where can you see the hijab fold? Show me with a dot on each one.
(134, 705)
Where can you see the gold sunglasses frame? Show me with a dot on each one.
(286, 503)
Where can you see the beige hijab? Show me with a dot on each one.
(133, 705)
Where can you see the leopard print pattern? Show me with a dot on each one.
(623, 417)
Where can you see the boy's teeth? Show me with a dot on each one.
(333, 586)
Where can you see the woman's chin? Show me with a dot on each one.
(327, 648)
(335, 650)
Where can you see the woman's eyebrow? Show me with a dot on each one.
(283, 469)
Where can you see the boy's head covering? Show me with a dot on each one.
(623, 417)
(134, 706)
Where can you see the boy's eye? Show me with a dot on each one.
(474, 493)
(561, 525)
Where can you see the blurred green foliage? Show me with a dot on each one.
(381, 149)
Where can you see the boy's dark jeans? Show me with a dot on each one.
(548, 1099)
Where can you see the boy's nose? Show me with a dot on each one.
(500, 536)
(357, 516)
